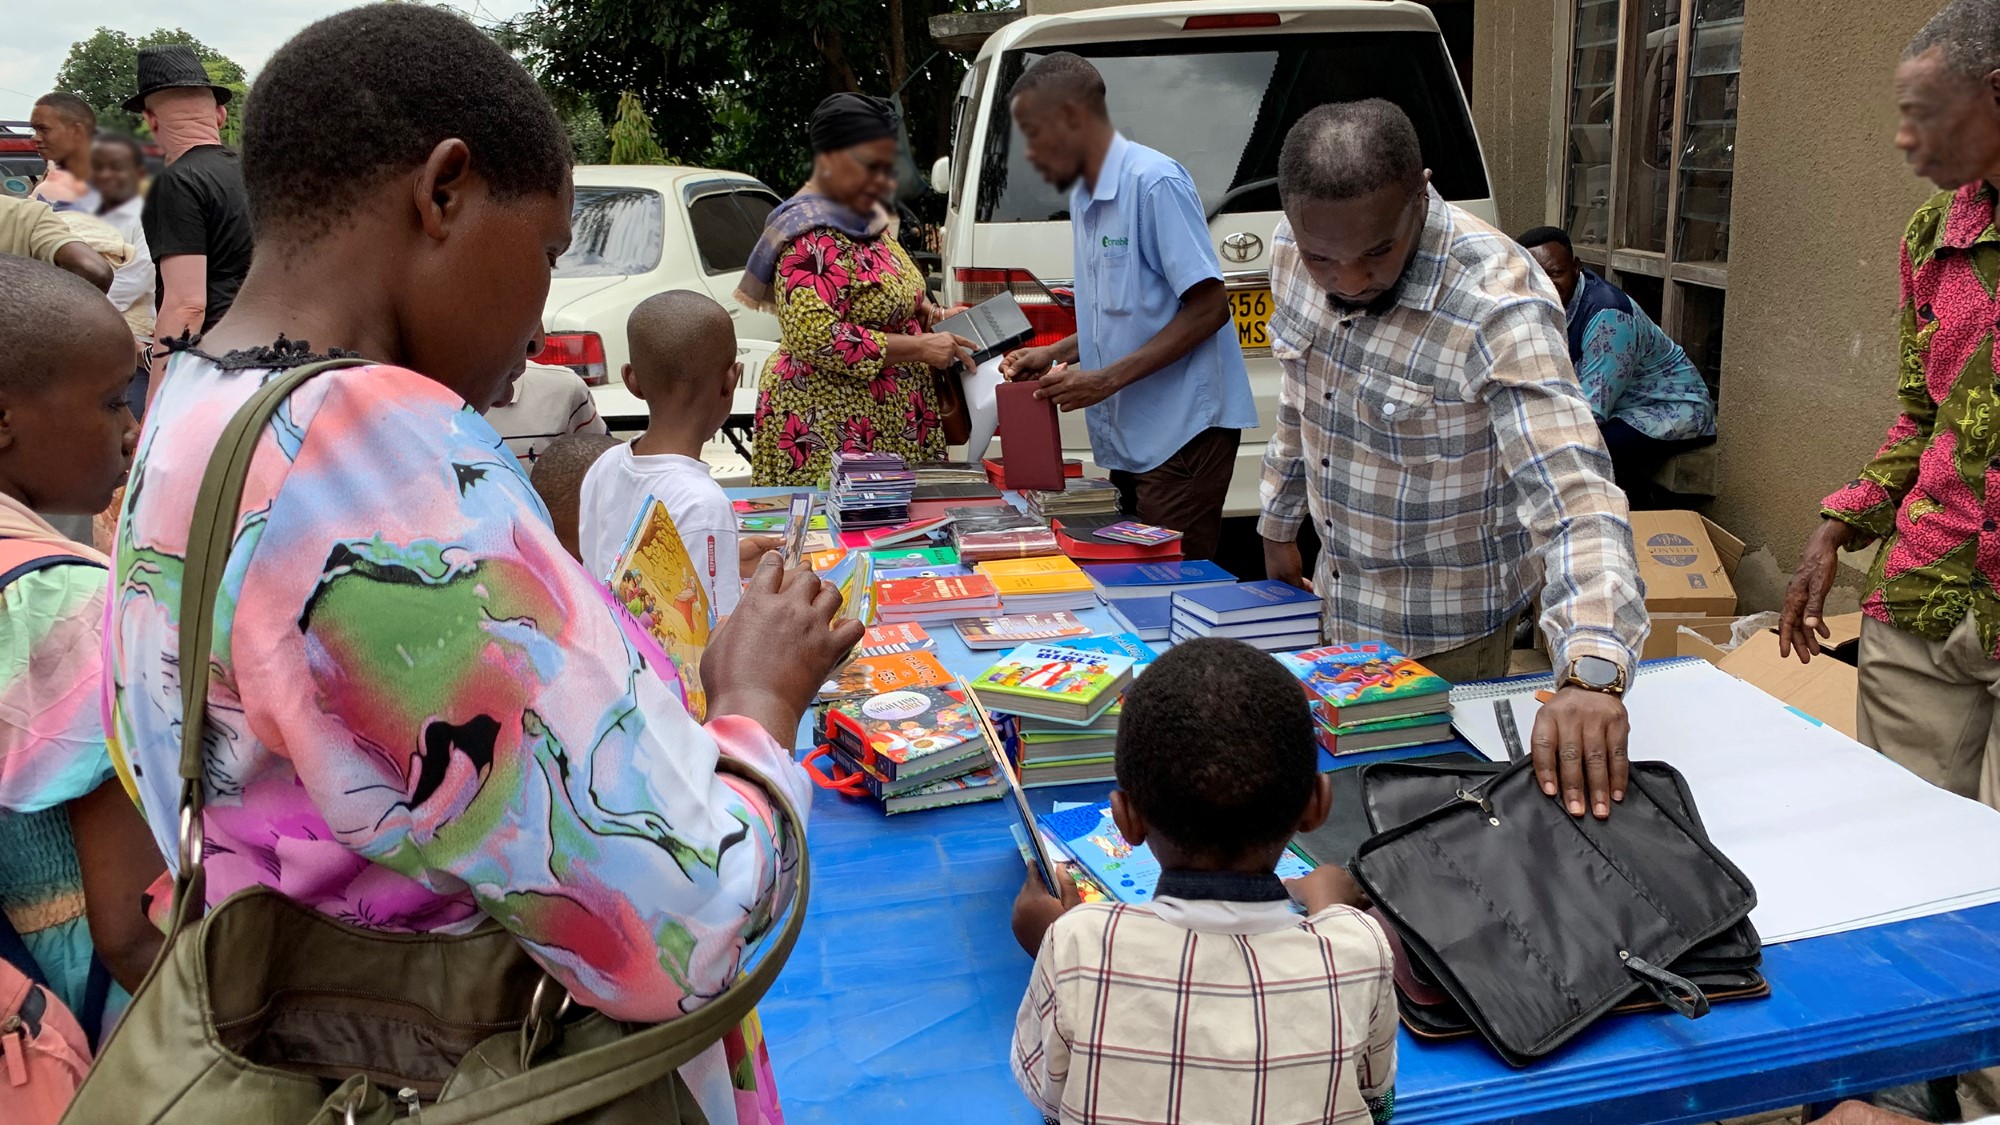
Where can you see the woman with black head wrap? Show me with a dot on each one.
(853, 370)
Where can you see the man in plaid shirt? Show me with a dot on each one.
(1430, 422)
(1215, 1003)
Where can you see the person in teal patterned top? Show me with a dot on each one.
(1647, 395)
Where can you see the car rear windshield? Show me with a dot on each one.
(614, 232)
(1222, 107)
(727, 225)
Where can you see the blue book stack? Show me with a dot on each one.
(1149, 619)
(1269, 615)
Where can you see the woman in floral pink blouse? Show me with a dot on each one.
(854, 369)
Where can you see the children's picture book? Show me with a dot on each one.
(1127, 872)
(779, 503)
(1011, 630)
(1054, 682)
(906, 733)
(1119, 644)
(1085, 889)
(873, 675)
(1390, 734)
(1365, 683)
(902, 636)
(967, 789)
(1132, 531)
(660, 585)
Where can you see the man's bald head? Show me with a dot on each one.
(681, 342)
(558, 479)
(1347, 150)
(48, 314)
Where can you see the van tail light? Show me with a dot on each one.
(1231, 22)
(581, 352)
(1051, 311)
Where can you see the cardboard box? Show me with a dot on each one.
(1826, 689)
(1685, 562)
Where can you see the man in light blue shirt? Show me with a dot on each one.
(1155, 360)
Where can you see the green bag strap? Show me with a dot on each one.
(216, 508)
(565, 1087)
(562, 1087)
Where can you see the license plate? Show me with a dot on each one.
(1252, 311)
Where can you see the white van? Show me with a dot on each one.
(641, 229)
(1214, 85)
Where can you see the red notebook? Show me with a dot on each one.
(1030, 438)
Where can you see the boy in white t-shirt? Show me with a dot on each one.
(684, 368)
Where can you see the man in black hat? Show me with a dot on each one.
(197, 217)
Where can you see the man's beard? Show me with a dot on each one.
(1376, 307)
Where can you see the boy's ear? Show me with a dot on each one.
(1131, 823)
(631, 382)
(7, 420)
(1319, 806)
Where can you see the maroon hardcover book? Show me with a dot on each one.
(1030, 438)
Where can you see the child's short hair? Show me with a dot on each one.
(558, 478)
(47, 310)
(1216, 748)
(370, 92)
(677, 334)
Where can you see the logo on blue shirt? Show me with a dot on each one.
(1109, 242)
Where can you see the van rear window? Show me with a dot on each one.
(1221, 106)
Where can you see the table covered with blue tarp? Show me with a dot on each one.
(899, 1002)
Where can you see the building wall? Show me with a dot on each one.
(1513, 56)
(1820, 201)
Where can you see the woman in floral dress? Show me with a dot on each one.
(854, 370)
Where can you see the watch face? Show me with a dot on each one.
(1596, 671)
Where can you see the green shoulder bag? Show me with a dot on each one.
(265, 1012)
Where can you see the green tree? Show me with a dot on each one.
(589, 140)
(104, 71)
(730, 83)
(632, 135)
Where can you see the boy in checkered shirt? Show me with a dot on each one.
(1216, 1002)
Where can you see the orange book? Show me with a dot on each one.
(876, 675)
(1048, 574)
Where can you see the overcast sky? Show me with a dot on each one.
(38, 35)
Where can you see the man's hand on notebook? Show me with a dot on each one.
(1579, 747)
(1072, 388)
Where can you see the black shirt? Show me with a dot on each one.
(197, 206)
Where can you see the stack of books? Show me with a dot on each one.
(1053, 753)
(869, 490)
(1269, 615)
(1070, 686)
(1371, 697)
(1149, 619)
(1085, 496)
(984, 534)
(912, 749)
(1040, 585)
(1117, 581)
(927, 600)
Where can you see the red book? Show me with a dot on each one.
(935, 599)
(996, 470)
(1030, 437)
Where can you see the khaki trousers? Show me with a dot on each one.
(1929, 706)
(1483, 659)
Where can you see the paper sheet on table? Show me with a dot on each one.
(1833, 835)
(980, 404)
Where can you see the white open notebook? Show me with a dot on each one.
(1833, 835)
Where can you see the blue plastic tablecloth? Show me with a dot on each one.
(899, 1002)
